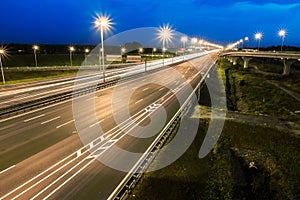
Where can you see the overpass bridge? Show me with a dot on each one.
(286, 58)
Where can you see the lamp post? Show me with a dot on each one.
(194, 41)
(165, 34)
(258, 37)
(86, 51)
(184, 40)
(246, 39)
(153, 50)
(102, 23)
(242, 42)
(282, 34)
(71, 49)
(2, 52)
(35, 48)
(123, 50)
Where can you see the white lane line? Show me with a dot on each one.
(69, 122)
(97, 123)
(145, 89)
(50, 120)
(139, 101)
(161, 89)
(7, 169)
(27, 120)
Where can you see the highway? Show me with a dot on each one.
(26, 92)
(42, 156)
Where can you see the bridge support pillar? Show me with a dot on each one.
(234, 60)
(246, 62)
(287, 66)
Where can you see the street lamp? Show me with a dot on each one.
(246, 39)
(153, 50)
(123, 50)
(71, 49)
(35, 48)
(258, 37)
(141, 50)
(184, 40)
(282, 34)
(86, 51)
(2, 52)
(104, 24)
(242, 42)
(165, 34)
(194, 41)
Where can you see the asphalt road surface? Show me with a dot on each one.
(42, 156)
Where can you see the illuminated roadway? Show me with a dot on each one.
(42, 156)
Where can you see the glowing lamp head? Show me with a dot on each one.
(184, 39)
(2, 51)
(154, 49)
(194, 40)
(86, 50)
(165, 33)
(282, 33)
(35, 47)
(246, 38)
(141, 50)
(103, 22)
(241, 40)
(258, 36)
(123, 50)
(71, 48)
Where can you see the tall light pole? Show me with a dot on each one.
(184, 40)
(35, 48)
(71, 49)
(194, 41)
(246, 39)
(86, 51)
(2, 52)
(153, 50)
(165, 34)
(282, 34)
(102, 23)
(258, 37)
(242, 42)
(123, 50)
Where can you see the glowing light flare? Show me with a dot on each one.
(258, 36)
(194, 40)
(246, 38)
(3, 52)
(154, 49)
(103, 21)
(35, 47)
(123, 50)
(86, 50)
(282, 33)
(71, 48)
(184, 39)
(165, 33)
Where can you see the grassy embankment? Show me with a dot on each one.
(225, 173)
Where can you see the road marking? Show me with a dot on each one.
(161, 89)
(27, 120)
(145, 89)
(50, 120)
(7, 169)
(139, 101)
(69, 122)
(97, 123)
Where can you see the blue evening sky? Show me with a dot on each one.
(220, 21)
